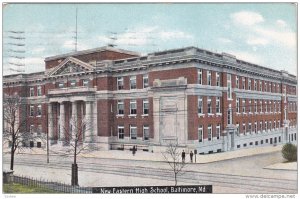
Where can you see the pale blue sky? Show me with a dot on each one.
(260, 33)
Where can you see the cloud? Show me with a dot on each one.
(257, 41)
(224, 40)
(247, 18)
(38, 50)
(253, 58)
(169, 35)
(281, 23)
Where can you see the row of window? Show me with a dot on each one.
(253, 128)
(132, 82)
(133, 107)
(246, 83)
(133, 132)
(39, 91)
(38, 110)
(258, 106)
(261, 142)
(292, 106)
(210, 133)
(85, 82)
(209, 102)
(35, 130)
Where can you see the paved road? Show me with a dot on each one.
(244, 174)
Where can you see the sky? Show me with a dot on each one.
(260, 33)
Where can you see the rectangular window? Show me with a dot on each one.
(255, 106)
(31, 110)
(39, 91)
(145, 107)
(31, 92)
(260, 127)
(209, 77)
(133, 132)
(218, 83)
(200, 104)
(243, 83)
(249, 84)
(39, 110)
(255, 127)
(146, 132)
(265, 86)
(244, 128)
(121, 132)
(229, 93)
(266, 106)
(145, 81)
(209, 132)
(199, 76)
(120, 83)
(244, 106)
(250, 106)
(266, 126)
(255, 85)
(260, 85)
(31, 128)
(237, 105)
(260, 106)
(270, 87)
(209, 107)
(85, 82)
(218, 105)
(229, 115)
(120, 107)
(218, 129)
(73, 83)
(237, 128)
(61, 85)
(39, 129)
(200, 133)
(249, 127)
(133, 107)
(133, 82)
(237, 81)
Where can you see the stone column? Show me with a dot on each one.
(74, 120)
(62, 121)
(50, 124)
(89, 122)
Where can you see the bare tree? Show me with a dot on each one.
(15, 133)
(73, 141)
(172, 155)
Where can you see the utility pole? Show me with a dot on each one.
(76, 33)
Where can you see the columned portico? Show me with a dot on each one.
(89, 122)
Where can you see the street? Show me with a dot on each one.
(240, 175)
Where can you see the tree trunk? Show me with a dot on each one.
(175, 175)
(12, 155)
(74, 178)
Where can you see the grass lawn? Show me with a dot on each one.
(18, 188)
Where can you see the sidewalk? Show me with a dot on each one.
(148, 156)
(292, 166)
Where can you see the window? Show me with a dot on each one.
(255, 106)
(218, 105)
(260, 106)
(146, 132)
(270, 87)
(250, 106)
(244, 106)
(260, 86)
(39, 110)
(237, 128)
(85, 82)
(120, 83)
(39, 129)
(73, 83)
(120, 107)
(133, 132)
(266, 106)
(237, 81)
(121, 132)
(209, 77)
(260, 127)
(243, 83)
(237, 105)
(274, 126)
(200, 105)
(229, 115)
(249, 127)
(244, 128)
(31, 128)
(199, 76)
(266, 126)
(200, 133)
(265, 86)
(218, 83)
(145, 81)
(31, 92)
(249, 84)
(209, 133)
(145, 107)
(133, 82)
(31, 110)
(39, 91)
(270, 125)
(61, 85)
(255, 127)
(218, 129)
(255, 85)
(133, 107)
(209, 107)
(229, 93)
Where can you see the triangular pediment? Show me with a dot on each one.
(70, 65)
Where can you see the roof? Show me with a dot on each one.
(83, 52)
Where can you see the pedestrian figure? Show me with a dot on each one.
(133, 150)
(183, 156)
(191, 156)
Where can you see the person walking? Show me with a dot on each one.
(183, 156)
(191, 156)
(133, 150)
